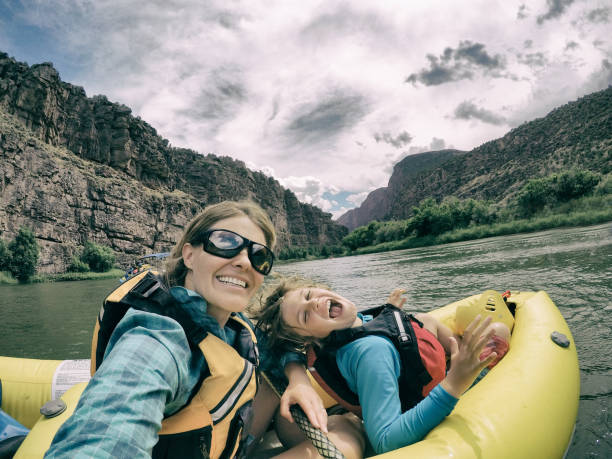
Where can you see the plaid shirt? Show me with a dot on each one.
(148, 373)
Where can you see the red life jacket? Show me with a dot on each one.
(422, 357)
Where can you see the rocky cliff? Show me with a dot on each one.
(75, 168)
(378, 203)
(578, 134)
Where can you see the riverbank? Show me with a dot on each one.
(570, 218)
(497, 229)
(7, 279)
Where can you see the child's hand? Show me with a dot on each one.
(395, 298)
(304, 395)
(465, 357)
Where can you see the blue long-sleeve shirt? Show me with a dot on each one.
(371, 368)
(148, 373)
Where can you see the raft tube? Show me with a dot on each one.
(525, 407)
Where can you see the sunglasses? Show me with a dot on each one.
(227, 244)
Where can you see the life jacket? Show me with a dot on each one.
(215, 421)
(422, 357)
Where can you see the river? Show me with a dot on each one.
(55, 321)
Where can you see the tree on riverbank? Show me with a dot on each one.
(544, 192)
(98, 257)
(4, 256)
(23, 255)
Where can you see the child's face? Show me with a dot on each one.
(317, 312)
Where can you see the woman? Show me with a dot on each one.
(174, 373)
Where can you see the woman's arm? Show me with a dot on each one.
(142, 378)
(300, 391)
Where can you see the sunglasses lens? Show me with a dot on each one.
(224, 243)
(261, 258)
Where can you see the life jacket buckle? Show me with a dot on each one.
(147, 286)
(405, 339)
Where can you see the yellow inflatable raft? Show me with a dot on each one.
(525, 407)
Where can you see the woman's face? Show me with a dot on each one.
(317, 312)
(227, 285)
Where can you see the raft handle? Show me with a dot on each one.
(53, 408)
(559, 339)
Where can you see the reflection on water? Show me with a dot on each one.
(572, 265)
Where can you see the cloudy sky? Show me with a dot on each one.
(326, 96)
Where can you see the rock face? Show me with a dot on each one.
(578, 134)
(378, 203)
(78, 169)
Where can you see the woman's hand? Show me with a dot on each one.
(465, 357)
(300, 391)
(395, 298)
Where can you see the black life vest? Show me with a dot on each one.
(215, 421)
(388, 321)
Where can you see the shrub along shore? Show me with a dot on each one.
(7, 279)
(497, 229)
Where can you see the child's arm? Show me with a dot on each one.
(371, 367)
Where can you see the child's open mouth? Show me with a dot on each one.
(335, 309)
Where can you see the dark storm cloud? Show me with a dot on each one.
(275, 108)
(571, 45)
(533, 59)
(555, 9)
(475, 53)
(223, 94)
(527, 44)
(342, 22)
(322, 120)
(599, 15)
(400, 140)
(468, 110)
(522, 12)
(458, 64)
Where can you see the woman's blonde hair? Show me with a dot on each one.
(176, 270)
(269, 319)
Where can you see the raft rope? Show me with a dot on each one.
(320, 441)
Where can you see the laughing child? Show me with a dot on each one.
(384, 365)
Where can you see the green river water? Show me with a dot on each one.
(55, 321)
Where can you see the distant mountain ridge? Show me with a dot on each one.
(577, 134)
(78, 169)
(378, 203)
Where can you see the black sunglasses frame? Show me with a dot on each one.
(210, 247)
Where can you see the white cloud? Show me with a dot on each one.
(309, 189)
(306, 88)
(358, 198)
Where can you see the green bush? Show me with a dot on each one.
(361, 237)
(77, 266)
(5, 256)
(534, 196)
(546, 192)
(574, 184)
(99, 258)
(24, 255)
(604, 187)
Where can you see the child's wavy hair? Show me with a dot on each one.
(268, 315)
